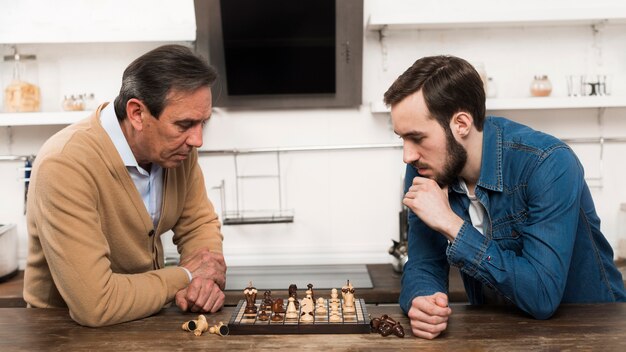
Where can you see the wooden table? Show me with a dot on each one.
(574, 327)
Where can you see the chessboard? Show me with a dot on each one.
(250, 324)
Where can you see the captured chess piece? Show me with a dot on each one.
(219, 329)
(250, 294)
(198, 326)
(386, 326)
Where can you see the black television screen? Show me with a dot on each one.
(283, 53)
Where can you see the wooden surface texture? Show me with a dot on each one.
(599, 327)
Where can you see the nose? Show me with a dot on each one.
(195, 136)
(409, 153)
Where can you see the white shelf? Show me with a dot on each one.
(556, 103)
(42, 118)
(539, 103)
(400, 19)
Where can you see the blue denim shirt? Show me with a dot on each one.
(542, 244)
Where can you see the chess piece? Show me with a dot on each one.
(278, 309)
(292, 311)
(293, 292)
(320, 307)
(198, 326)
(219, 329)
(386, 326)
(310, 287)
(267, 301)
(306, 308)
(348, 298)
(334, 297)
(334, 314)
(250, 294)
(263, 316)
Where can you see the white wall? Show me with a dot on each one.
(346, 202)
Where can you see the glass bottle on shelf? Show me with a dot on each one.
(21, 94)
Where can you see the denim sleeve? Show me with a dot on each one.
(535, 279)
(426, 270)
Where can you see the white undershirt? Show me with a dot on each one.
(476, 209)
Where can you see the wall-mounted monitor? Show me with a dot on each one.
(283, 53)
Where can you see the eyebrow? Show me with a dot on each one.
(413, 134)
(192, 120)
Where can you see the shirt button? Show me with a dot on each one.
(488, 258)
(151, 233)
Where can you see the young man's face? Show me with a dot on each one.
(426, 145)
(167, 141)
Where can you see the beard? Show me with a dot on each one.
(456, 157)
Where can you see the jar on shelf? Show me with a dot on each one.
(21, 94)
(541, 86)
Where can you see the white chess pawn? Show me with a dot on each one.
(292, 311)
(334, 313)
(320, 308)
(334, 297)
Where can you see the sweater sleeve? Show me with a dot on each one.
(64, 207)
(198, 225)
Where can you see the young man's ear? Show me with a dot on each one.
(461, 123)
(135, 112)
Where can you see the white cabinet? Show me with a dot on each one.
(79, 21)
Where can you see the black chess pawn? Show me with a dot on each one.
(267, 301)
(263, 316)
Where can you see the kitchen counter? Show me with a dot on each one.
(470, 328)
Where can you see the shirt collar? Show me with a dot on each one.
(491, 163)
(109, 122)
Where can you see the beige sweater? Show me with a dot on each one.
(92, 246)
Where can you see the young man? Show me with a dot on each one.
(103, 190)
(506, 204)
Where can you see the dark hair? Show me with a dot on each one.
(449, 84)
(154, 74)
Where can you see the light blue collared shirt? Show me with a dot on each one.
(149, 184)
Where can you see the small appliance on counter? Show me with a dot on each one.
(400, 249)
(8, 251)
